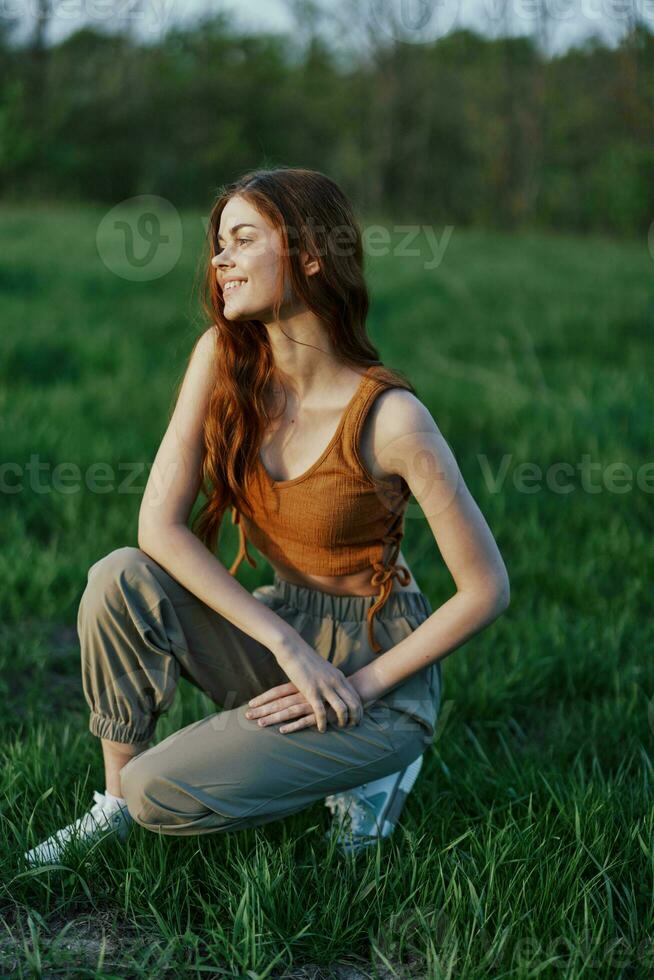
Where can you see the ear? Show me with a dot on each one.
(310, 264)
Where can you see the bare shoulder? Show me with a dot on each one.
(207, 344)
(399, 411)
(397, 429)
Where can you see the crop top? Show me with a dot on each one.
(334, 519)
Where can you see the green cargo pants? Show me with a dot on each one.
(140, 630)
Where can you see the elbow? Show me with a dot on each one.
(491, 598)
(502, 595)
(141, 534)
(495, 602)
(142, 540)
(150, 535)
(146, 534)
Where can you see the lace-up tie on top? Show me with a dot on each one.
(334, 519)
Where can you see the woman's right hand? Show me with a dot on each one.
(318, 682)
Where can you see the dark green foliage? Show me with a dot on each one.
(464, 130)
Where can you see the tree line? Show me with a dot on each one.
(466, 129)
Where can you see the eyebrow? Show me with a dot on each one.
(244, 224)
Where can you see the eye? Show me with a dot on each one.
(221, 248)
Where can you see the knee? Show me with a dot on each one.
(119, 562)
(154, 799)
(137, 782)
(105, 576)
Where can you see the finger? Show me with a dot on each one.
(288, 713)
(320, 713)
(340, 707)
(356, 698)
(295, 726)
(277, 705)
(354, 707)
(349, 694)
(275, 692)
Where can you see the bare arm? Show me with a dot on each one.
(168, 498)
(411, 444)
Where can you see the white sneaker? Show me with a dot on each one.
(106, 817)
(363, 815)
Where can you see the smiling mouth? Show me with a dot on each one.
(231, 287)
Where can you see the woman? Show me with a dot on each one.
(330, 679)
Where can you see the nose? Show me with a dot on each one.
(222, 257)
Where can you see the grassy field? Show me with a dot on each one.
(526, 848)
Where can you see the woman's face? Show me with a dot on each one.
(251, 253)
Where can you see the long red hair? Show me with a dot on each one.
(312, 206)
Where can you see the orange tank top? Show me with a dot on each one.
(334, 519)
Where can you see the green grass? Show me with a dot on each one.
(526, 848)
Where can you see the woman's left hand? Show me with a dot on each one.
(284, 703)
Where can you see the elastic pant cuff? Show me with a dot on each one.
(119, 731)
